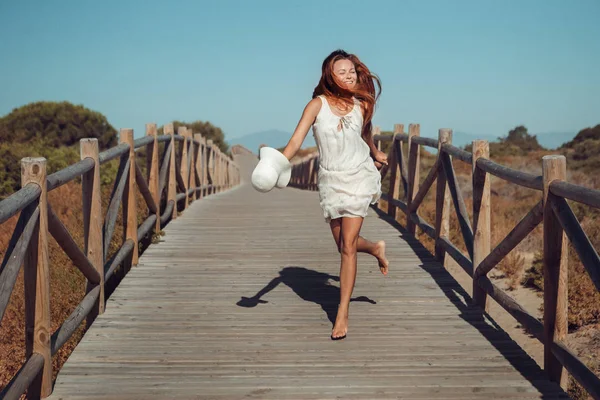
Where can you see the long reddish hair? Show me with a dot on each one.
(364, 89)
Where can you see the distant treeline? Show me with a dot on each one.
(53, 130)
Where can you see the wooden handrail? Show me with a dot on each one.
(558, 219)
(28, 245)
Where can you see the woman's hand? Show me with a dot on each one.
(379, 158)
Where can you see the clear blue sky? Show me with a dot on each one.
(477, 66)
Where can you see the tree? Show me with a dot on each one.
(521, 138)
(51, 130)
(56, 124)
(206, 129)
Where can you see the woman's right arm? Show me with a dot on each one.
(308, 118)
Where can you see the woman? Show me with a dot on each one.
(340, 114)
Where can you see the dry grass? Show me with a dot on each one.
(67, 284)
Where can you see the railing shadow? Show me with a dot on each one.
(474, 315)
(309, 285)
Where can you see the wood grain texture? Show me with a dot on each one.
(442, 201)
(172, 185)
(414, 165)
(482, 229)
(129, 204)
(183, 171)
(93, 219)
(237, 299)
(395, 171)
(36, 269)
(152, 166)
(554, 168)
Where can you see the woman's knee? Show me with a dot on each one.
(348, 247)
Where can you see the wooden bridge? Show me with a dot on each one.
(237, 299)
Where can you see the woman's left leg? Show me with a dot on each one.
(350, 233)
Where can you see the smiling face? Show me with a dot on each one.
(345, 73)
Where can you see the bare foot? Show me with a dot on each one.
(380, 255)
(340, 328)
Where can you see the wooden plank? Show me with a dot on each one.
(145, 190)
(527, 224)
(66, 242)
(16, 252)
(585, 250)
(116, 197)
(69, 173)
(510, 175)
(581, 194)
(459, 202)
(18, 201)
(23, 378)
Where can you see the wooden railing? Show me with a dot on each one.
(203, 169)
(559, 223)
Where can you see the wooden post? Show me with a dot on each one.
(152, 166)
(442, 201)
(218, 172)
(129, 201)
(205, 165)
(394, 191)
(481, 217)
(222, 169)
(182, 131)
(172, 188)
(93, 219)
(222, 172)
(37, 280)
(414, 160)
(210, 164)
(376, 130)
(192, 170)
(555, 272)
(198, 163)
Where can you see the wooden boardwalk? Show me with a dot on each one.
(238, 300)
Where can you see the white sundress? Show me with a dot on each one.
(348, 180)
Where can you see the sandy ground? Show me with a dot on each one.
(528, 299)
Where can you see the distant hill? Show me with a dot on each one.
(272, 138)
(583, 152)
(278, 139)
(548, 140)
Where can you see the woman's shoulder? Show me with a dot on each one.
(314, 105)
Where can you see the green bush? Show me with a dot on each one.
(56, 124)
(50, 130)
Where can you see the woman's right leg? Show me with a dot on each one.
(376, 249)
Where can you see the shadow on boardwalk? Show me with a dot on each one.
(309, 285)
(474, 315)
